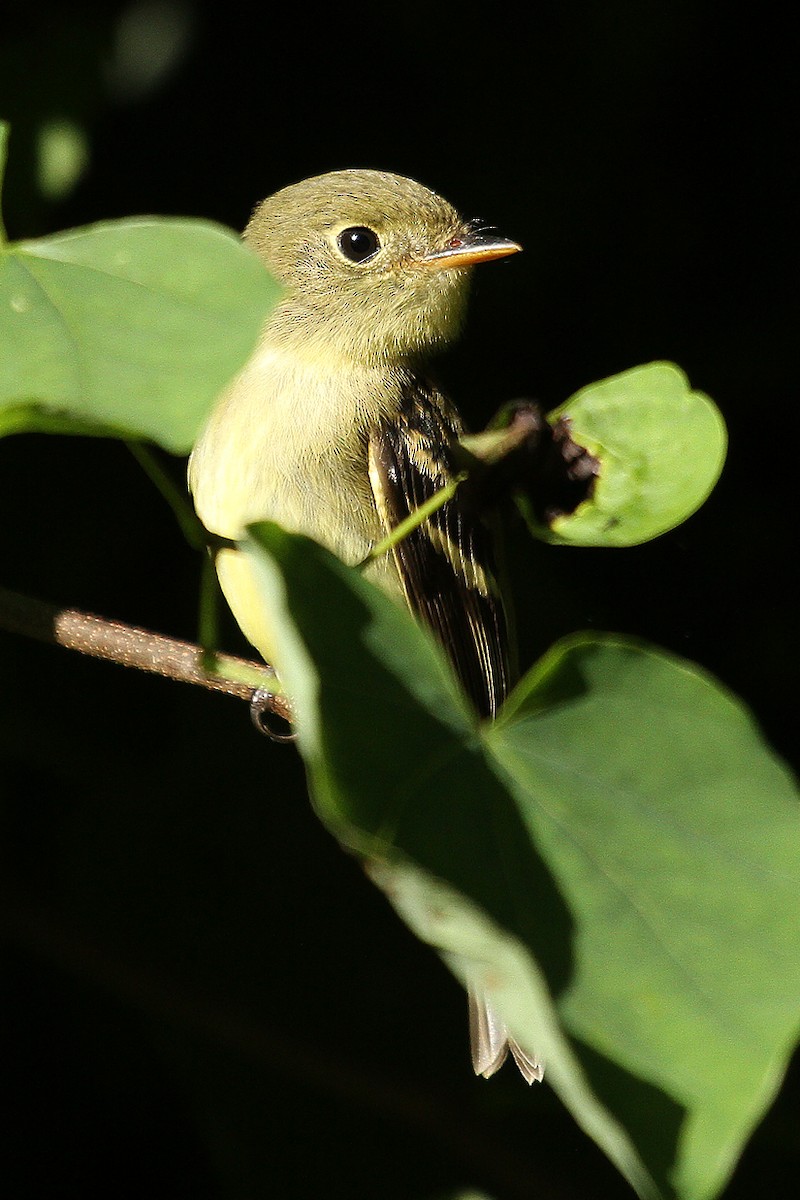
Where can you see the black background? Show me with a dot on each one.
(204, 995)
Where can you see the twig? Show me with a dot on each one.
(139, 648)
(184, 514)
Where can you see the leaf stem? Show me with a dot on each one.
(189, 523)
(3, 156)
(414, 519)
(208, 615)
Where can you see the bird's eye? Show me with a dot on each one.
(358, 243)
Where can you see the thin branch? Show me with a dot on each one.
(139, 648)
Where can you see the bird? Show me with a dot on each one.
(335, 429)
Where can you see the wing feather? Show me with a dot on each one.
(446, 565)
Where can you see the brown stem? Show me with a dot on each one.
(139, 648)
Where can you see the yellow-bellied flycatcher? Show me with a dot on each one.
(333, 429)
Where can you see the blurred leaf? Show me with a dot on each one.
(661, 447)
(621, 833)
(470, 1194)
(62, 157)
(129, 328)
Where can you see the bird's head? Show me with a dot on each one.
(375, 267)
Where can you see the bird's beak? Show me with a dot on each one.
(469, 248)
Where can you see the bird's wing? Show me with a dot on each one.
(446, 564)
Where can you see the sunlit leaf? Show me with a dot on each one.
(129, 328)
(661, 448)
(616, 860)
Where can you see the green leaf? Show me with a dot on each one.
(616, 860)
(675, 835)
(126, 328)
(132, 326)
(661, 448)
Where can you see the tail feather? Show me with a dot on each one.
(490, 1042)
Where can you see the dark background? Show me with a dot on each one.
(204, 995)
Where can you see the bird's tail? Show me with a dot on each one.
(490, 1042)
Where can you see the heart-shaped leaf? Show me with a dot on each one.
(127, 328)
(661, 448)
(615, 861)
